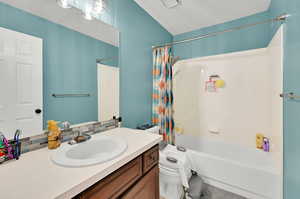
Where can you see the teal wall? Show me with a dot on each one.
(251, 38)
(139, 31)
(69, 61)
(291, 84)
(69, 64)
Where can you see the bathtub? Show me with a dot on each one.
(247, 172)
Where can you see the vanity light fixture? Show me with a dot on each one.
(90, 8)
(63, 3)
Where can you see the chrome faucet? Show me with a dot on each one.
(65, 125)
(81, 137)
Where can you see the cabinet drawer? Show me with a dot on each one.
(150, 158)
(115, 184)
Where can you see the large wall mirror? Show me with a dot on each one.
(63, 70)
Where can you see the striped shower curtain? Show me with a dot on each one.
(162, 113)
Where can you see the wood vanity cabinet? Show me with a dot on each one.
(138, 179)
(145, 188)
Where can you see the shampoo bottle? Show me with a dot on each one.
(266, 146)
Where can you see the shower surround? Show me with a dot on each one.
(220, 127)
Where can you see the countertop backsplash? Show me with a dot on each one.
(40, 141)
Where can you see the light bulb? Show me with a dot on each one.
(88, 13)
(88, 16)
(98, 7)
(63, 3)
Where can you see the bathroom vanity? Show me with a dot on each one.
(132, 175)
(137, 179)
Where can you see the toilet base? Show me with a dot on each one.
(170, 190)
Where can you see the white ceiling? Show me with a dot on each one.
(71, 18)
(195, 14)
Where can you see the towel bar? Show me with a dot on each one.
(71, 95)
(290, 95)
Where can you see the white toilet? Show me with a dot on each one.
(174, 171)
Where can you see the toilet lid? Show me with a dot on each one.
(172, 159)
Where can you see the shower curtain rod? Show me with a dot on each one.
(282, 17)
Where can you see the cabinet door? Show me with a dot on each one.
(146, 188)
(115, 184)
(150, 158)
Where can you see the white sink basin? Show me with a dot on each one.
(97, 150)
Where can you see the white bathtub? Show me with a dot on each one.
(248, 172)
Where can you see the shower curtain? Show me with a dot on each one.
(162, 92)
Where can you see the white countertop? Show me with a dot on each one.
(35, 176)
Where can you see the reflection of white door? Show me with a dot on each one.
(108, 92)
(20, 83)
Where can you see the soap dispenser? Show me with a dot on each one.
(54, 135)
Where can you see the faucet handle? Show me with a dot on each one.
(65, 125)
